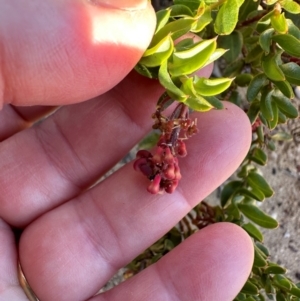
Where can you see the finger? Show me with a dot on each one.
(15, 119)
(62, 52)
(106, 227)
(211, 265)
(52, 162)
(9, 284)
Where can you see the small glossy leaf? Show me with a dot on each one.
(282, 136)
(210, 87)
(154, 56)
(292, 73)
(265, 104)
(203, 21)
(282, 282)
(274, 268)
(256, 180)
(255, 53)
(253, 231)
(260, 134)
(215, 55)
(166, 81)
(215, 102)
(192, 4)
(263, 248)
(265, 40)
(228, 191)
(271, 68)
(147, 72)
(280, 297)
(285, 87)
(243, 79)
(279, 23)
(285, 105)
(189, 61)
(253, 111)
(176, 28)
(179, 10)
(282, 119)
(295, 292)
(234, 69)
(233, 43)
(249, 288)
(198, 104)
(259, 155)
(291, 6)
(255, 86)
(162, 18)
(246, 8)
(288, 43)
(259, 258)
(293, 29)
(257, 216)
(273, 123)
(227, 17)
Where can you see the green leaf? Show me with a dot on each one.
(253, 231)
(291, 6)
(254, 54)
(282, 282)
(265, 104)
(274, 268)
(282, 136)
(280, 297)
(215, 102)
(257, 216)
(234, 44)
(249, 288)
(259, 155)
(288, 43)
(279, 23)
(175, 28)
(255, 180)
(154, 56)
(284, 104)
(253, 110)
(263, 248)
(295, 292)
(227, 17)
(292, 73)
(162, 18)
(265, 40)
(259, 258)
(215, 55)
(234, 68)
(255, 86)
(210, 87)
(228, 191)
(271, 68)
(243, 79)
(246, 8)
(203, 21)
(147, 72)
(293, 29)
(285, 88)
(166, 81)
(190, 60)
(273, 123)
(192, 4)
(281, 117)
(179, 10)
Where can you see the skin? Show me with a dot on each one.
(63, 52)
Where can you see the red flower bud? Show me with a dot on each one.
(181, 148)
(169, 158)
(154, 186)
(171, 186)
(169, 173)
(158, 156)
(177, 172)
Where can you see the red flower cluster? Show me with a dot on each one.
(161, 167)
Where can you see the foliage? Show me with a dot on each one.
(257, 47)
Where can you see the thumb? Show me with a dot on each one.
(57, 52)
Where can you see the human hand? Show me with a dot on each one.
(74, 239)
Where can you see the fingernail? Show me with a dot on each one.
(122, 4)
